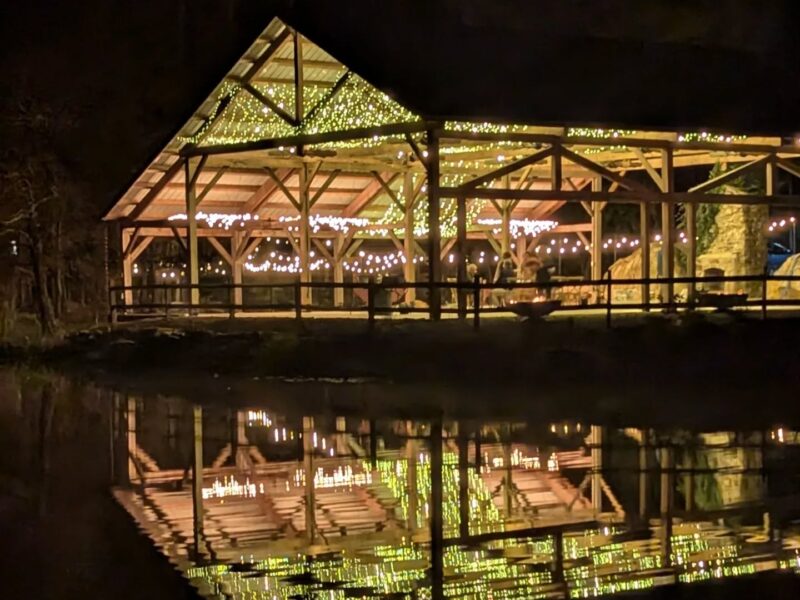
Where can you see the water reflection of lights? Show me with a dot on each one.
(258, 418)
(339, 477)
(231, 487)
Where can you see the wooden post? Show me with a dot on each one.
(411, 483)
(609, 293)
(130, 430)
(308, 469)
(197, 476)
(338, 270)
(436, 521)
(505, 228)
(597, 232)
(305, 233)
(434, 231)
(127, 267)
(409, 268)
(508, 480)
(461, 254)
(463, 480)
(667, 229)
(191, 174)
(644, 244)
(237, 269)
(597, 468)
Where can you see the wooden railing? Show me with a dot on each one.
(467, 300)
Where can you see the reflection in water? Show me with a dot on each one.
(258, 504)
(254, 504)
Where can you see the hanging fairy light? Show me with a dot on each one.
(224, 220)
(521, 227)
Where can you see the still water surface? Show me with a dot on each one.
(266, 502)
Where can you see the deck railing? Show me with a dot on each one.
(467, 300)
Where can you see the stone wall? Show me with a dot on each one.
(740, 246)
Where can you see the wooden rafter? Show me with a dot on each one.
(268, 53)
(321, 190)
(223, 252)
(366, 197)
(328, 97)
(389, 191)
(654, 174)
(298, 77)
(159, 185)
(599, 169)
(207, 188)
(255, 202)
(729, 175)
(271, 104)
(279, 183)
(506, 170)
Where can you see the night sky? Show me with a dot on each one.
(130, 72)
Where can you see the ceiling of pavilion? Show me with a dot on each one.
(255, 101)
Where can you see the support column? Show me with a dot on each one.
(508, 480)
(338, 270)
(308, 468)
(463, 480)
(597, 232)
(238, 240)
(130, 429)
(191, 173)
(197, 476)
(667, 228)
(411, 482)
(644, 244)
(461, 254)
(409, 268)
(127, 266)
(505, 228)
(434, 231)
(437, 532)
(305, 233)
(597, 468)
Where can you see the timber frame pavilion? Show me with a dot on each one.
(294, 145)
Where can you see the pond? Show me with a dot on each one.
(306, 500)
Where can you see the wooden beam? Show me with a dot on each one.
(515, 166)
(255, 202)
(148, 199)
(279, 182)
(789, 167)
(268, 53)
(729, 175)
(321, 190)
(298, 77)
(366, 197)
(207, 188)
(305, 139)
(604, 172)
(389, 191)
(227, 257)
(621, 197)
(654, 175)
(328, 97)
(271, 104)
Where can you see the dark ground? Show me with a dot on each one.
(655, 371)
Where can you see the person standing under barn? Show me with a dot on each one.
(503, 275)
